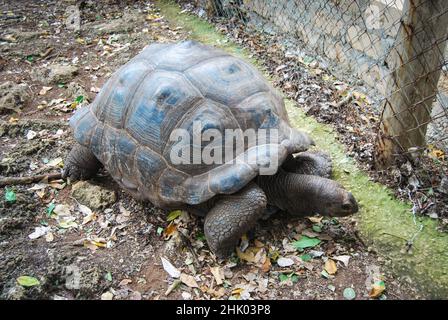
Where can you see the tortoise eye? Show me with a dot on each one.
(346, 206)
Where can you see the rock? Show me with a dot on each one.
(107, 296)
(13, 96)
(85, 281)
(444, 185)
(93, 196)
(186, 295)
(59, 73)
(285, 262)
(15, 292)
(75, 90)
(135, 295)
(73, 20)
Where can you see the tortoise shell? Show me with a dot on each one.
(170, 86)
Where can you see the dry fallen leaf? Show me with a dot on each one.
(169, 231)
(13, 120)
(56, 185)
(344, 259)
(122, 219)
(124, 282)
(218, 273)
(260, 256)
(89, 218)
(169, 268)
(188, 280)
(330, 266)
(90, 246)
(94, 244)
(84, 209)
(44, 90)
(315, 219)
(266, 265)
(217, 293)
(438, 154)
(249, 255)
(237, 291)
(39, 232)
(258, 244)
(55, 162)
(62, 210)
(40, 193)
(377, 289)
(125, 212)
(49, 237)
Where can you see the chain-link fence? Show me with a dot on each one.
(391, 54)
(396, 47)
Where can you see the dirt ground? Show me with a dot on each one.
(93, 241)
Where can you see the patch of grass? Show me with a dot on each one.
(200, 30)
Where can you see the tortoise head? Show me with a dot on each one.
(335, 201)
(301, 195)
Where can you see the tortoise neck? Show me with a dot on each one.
(294, 193)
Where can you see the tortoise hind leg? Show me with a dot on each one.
(317, 163)
(80, 164)
(231, 217)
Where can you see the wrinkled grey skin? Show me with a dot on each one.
(300, 187)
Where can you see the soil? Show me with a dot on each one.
(115, 251)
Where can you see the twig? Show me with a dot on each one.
(358, 237)
(29, 179)
(187, 243)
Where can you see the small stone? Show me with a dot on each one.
(228, 274)
(186, 295)
(59, 73)
(433, 215)
(13, 96)
(107, 296)
(93, 196)
(31, 134)
(73, 20)
(80, 279)
(135, 295)
(16, 292)
(444, 185)
(285, 262)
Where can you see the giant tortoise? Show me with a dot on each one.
(169, 88)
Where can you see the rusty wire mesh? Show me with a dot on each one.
(393, 55)
(359, 38)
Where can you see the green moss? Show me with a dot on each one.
(384, 221)
(201, 30)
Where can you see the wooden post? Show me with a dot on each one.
(415, 62)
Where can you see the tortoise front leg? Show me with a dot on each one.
(80, 163)
(231, 217)
(315, 163)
